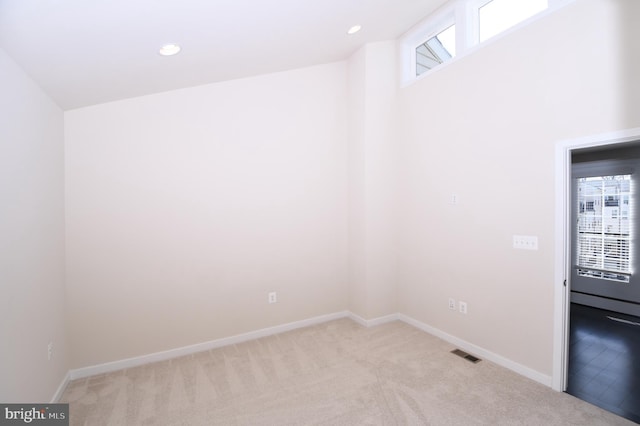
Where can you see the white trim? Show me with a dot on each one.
(187, 350)
(562, 241)
(108, 367)
(357, 318)
(561, 273)
(467, 29)
(373, 322)
(479, 351)
(61, 388)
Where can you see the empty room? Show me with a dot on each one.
(319, 213)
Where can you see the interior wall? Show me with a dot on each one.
(484, 128)
(32, 307)
(356, 83)
(372, 161)
(185, 208)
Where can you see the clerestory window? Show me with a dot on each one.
(436, 50)
(496, 16)
(466, 23)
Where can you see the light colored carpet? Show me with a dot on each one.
(336, 373)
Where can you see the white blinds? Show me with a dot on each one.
(604, 227)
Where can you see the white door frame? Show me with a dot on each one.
(562, 242)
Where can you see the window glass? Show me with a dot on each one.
(436, 50)
(604, 227)
(499, 15)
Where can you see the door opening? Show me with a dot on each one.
(599, 223)
(562, 242)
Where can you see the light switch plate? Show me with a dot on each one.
(525, 242)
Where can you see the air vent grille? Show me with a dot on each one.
(466, 356)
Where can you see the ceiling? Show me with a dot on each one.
(85, 52)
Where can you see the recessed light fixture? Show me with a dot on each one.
(354, 29)
(169, 49)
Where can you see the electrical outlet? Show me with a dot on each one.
(50, 351)
(463, 307)
(273, 297)
(452, 304)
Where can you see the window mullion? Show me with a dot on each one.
(466, 26)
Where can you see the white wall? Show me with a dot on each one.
(185, 208)
(357, 259)
(372, 224)
(31, 239)
(485, 127)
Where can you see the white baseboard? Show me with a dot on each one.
(108, 367)
(213, 344)
(479, 352)
(372, 322)
(61, 388)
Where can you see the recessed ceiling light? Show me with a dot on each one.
(169, 49)
(354, 29)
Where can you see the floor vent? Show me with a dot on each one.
(466, 356)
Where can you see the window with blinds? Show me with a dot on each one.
(604, 227)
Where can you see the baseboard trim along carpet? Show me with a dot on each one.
(63, 385)
(213, 344)
(372, 322)
(199, 347)
(480, 352)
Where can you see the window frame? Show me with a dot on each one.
(425, 43)
(439, 21)
(464, 14)
(479, 4)
(586, 203)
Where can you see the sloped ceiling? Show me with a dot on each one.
(86, 52)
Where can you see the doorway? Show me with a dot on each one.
(604, 308)
(562, 241)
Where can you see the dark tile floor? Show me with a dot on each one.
(604, 360)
